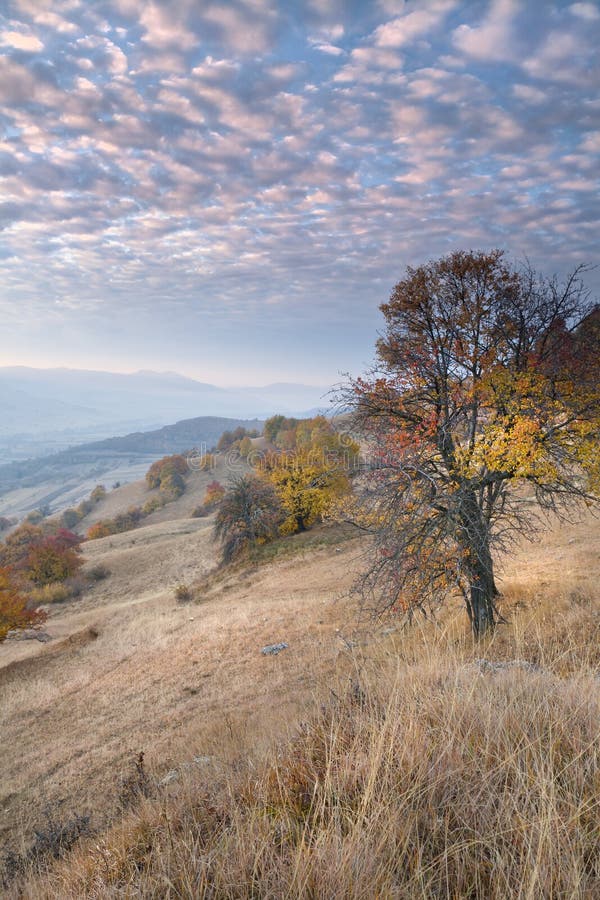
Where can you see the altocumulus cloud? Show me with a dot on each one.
(182, 177)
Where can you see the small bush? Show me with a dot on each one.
(85, 507)
(34, 517)
(16, 547)
(123, 522)
(249, 515)
(183, 593)
(58, 592)
(172, 485)
(49, 562)
(99, 530)
(77, 586)
(214, 494)
(200, 512)
(70, 518)
(98, 572)
(53, 839)
(98, 494)
(207, 462)
(15, 608)
(162, 468)
(136, 784)
(152, 504)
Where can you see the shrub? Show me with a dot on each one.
(34, 517)
(98, 572)
(17, 545)
(57, 592)
(152, 504)
(207, 462)
(164, 467)
(214, 494)
(183, 593)
(172, 485)
(5, 523)
(229, 438)
(99, 530)
(25, 547)
(49, 562)
(126, 521)
(98, 494)
(53, 839)
(70, 518)
(136, 784)
(64, 539)
(200, 512)
(85, 507)
(15, 610)
(249, 514)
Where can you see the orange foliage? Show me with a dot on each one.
(14, 613)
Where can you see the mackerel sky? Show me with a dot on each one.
(230, 189)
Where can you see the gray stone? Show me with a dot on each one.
(169, 778)
(486, 665)
(202, 760)
(274, 649)
(28, 634)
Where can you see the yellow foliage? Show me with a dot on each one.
(306, 483)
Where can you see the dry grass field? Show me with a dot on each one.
(360, 762)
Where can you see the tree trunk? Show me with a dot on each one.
(479, 565)
(481, 587)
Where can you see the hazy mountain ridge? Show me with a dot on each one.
(54, 400)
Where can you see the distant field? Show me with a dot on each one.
(65, 478)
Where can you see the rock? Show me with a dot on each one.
(28, 634)
(169, 778)
(486, 665)
(274, 649)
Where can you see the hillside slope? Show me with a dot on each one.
(130, 671)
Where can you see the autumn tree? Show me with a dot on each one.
(306, 482)
(15, 549)
(483, 410)
(15, 612)
(168, 474)
(309, 469)
(54, 559)
(248, 514)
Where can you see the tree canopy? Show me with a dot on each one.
(485, 398)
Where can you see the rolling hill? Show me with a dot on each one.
(64, 478)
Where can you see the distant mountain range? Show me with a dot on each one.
(51, 409)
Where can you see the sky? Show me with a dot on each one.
(230, 189)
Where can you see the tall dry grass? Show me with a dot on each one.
(428, 774)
